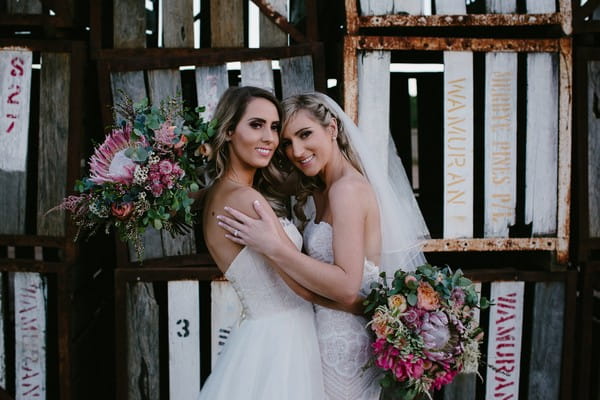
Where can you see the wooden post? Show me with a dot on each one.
(458, 144)
(296, 75)
(227, 23)
(593, 140)
(129, 24)
(178, 23)
(211, 83)
(450, 7)
(542, 143)
(269, 34)
(501, 6)
(541, 6)
(500, 143)
(226, 311)
(385, 7)
(259, 74)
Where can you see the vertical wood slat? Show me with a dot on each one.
(501, 6)
(542, 143)
(211, 83)
(296, 75)
(500, 143)
(226, 311)
(227, 23)
(55, 86)
(269, 34)
(593, 141)
(450, 7)
(547, 341)
(30, 299)
(24, 7)
(184, 344)
(129, 24)
(178, 23)
(2, 339)
(374, 94)
(15, 89)
(259, 74)
(458, 145)
(540, 6)
(385, 7)
(504, 340)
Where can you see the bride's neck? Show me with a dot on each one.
(335, 169)
(243, 178)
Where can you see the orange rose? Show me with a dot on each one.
(427, 297)
(204, 150)
(182, 141)
(122, 211)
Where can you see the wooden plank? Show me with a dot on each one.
(30, 297)
(374, 94)
(269, 34)
(164, 83)
(178, 23)
(23, 7)
(504, 340)
(381, 7)
(541, 179)
(501, 6)
(546, 341)
(450, 7)
(129, 24)
(540, 6)
(259, 74)
(15, 88)
(227, 23)
(55, 85)
(296, 75)
(3, 348)
(211, 83)
(593, 141)
(500, 143)
(226, 312)
(184, 339)
(143, 361)
(458, 145)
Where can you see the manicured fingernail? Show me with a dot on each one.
(219, 217)
(256, 202)
(226, 208)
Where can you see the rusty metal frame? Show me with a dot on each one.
(558, 244)
(354, 21)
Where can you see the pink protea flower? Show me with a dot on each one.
(165, 135)
(109, 162)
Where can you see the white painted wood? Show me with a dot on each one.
(226, 314)
(450, 7)
(504, 340)
(500, 143)
(458, 144)
(541, 176)
(593, 139)
(374, 100)
(384, 7)
(211, 83)
(184, 339)
(3, 349)
(15, 88)
(259, 74)
(30, 297)
(269, 34)
(296, 75)
(540, 6)
(501, 6)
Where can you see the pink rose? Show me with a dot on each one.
(165, 167)
(156, 189)
(121, 211)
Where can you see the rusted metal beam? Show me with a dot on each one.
(352, 23)
(280, 21)
(515, 274)
(491, 244)
(400, 20)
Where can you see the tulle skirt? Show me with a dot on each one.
(274, 357)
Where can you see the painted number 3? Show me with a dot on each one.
(184, 328)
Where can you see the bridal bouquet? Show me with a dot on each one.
(142, 173)
(425, 330)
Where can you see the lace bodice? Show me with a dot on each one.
(261, 290)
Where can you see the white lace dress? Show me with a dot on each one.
(343, 337)
(274, 354)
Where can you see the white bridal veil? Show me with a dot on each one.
(402, 225)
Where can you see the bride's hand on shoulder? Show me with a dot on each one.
(263, 234)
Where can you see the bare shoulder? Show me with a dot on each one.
(350, 188)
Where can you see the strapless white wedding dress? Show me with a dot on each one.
(344, 340)
(274, 353)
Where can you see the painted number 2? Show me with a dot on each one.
(184, 328)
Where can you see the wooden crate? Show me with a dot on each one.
(480, 210)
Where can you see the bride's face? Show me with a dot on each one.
(307, 143)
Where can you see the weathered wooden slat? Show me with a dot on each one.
(374, 94)
(458, 144)
(15, 88)
(30, 307)
(504, 340)
(184, 343)
(2, 340)
(540, 6)
(546, 341)
(142, 344)
(178, 23)
(501, 6)
(541, 179)
(23, 6)
(259, 74)
(55, 84)
(129, 24)
(211, 83)
(226, 311)
(296, 75)
(164, 83)
(450, 7)
(500, 143)
(269, 34)
(227, 23)
(593, 139)
(385, 7)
